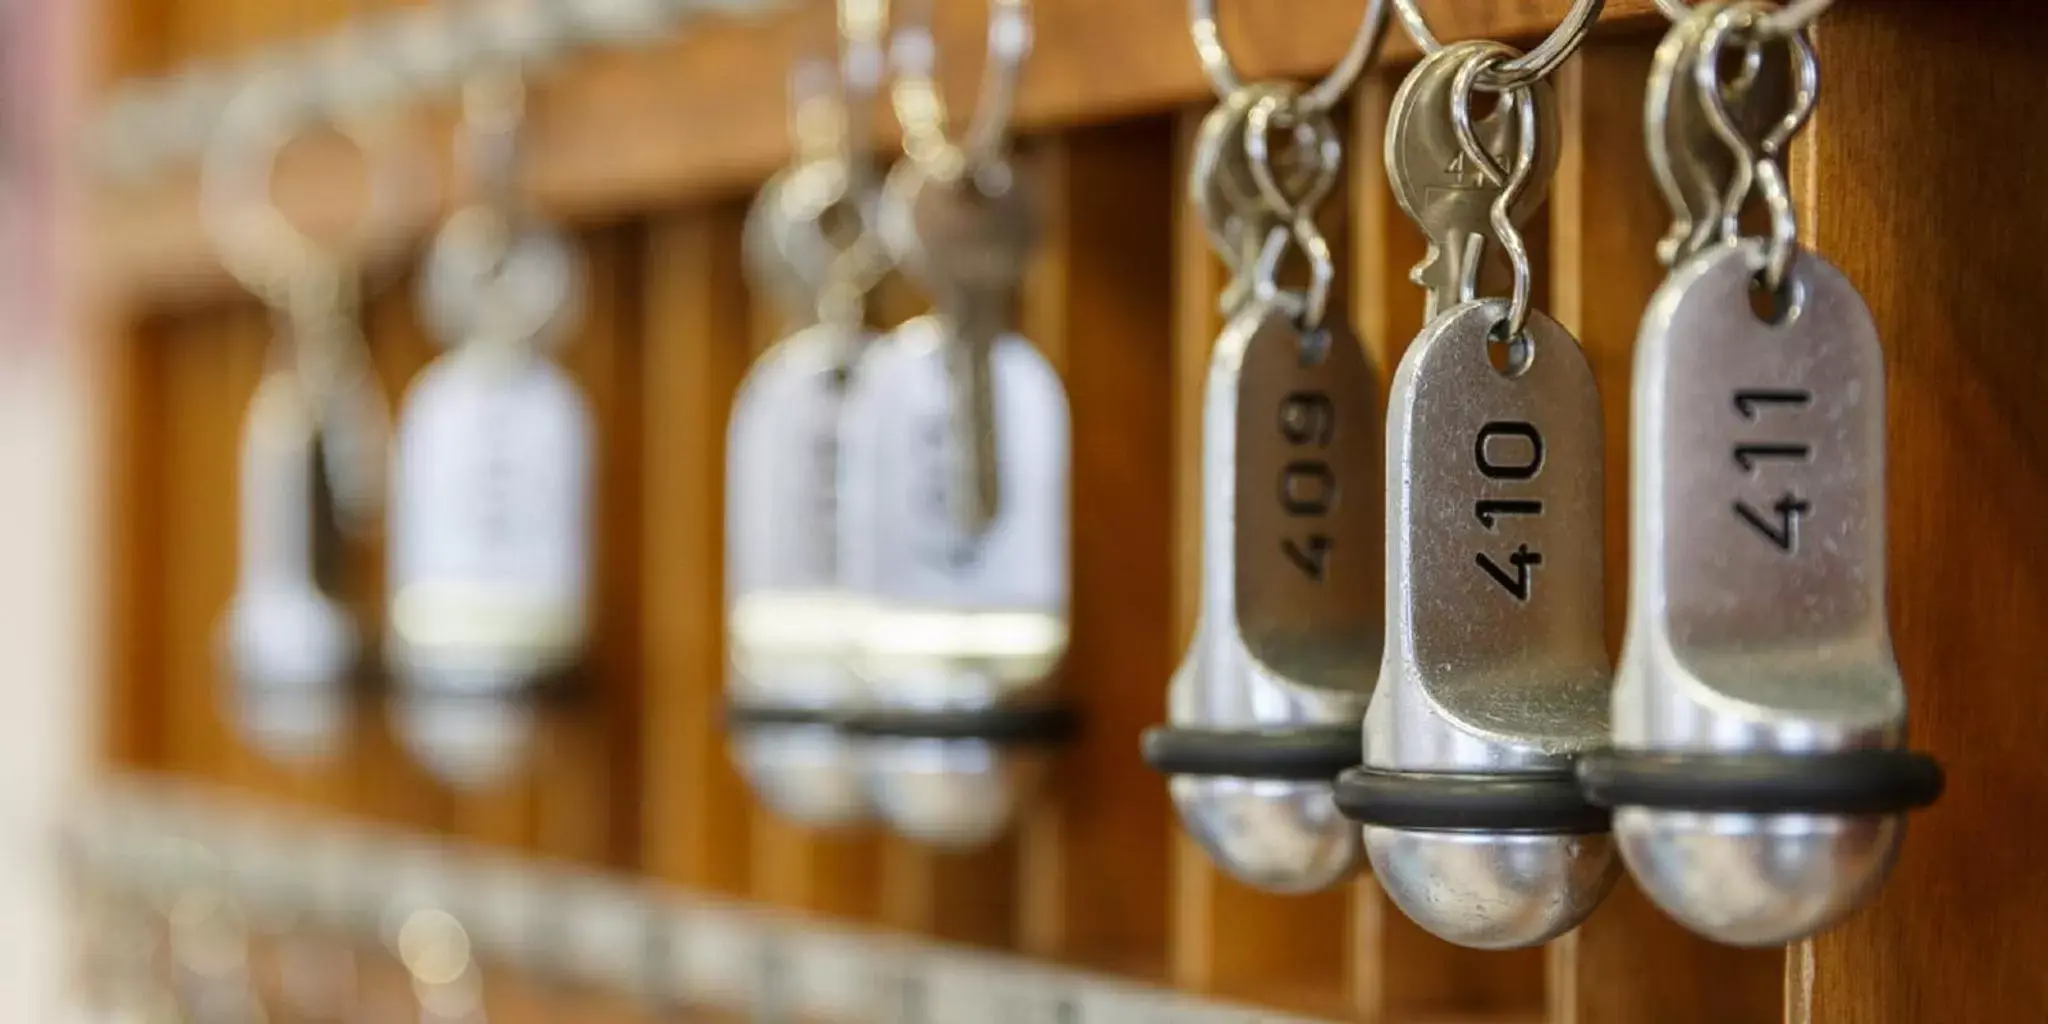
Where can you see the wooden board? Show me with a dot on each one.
(1955, 935)
(628, 131)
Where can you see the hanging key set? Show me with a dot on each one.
(1746, 759)
(489, 465)
(897, 522)
(898, 564)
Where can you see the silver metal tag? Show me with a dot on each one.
(489, 554)
(936, 596)
(291, 645)
(1756, 599)
(789, 625)
(1497, 657)
(1289, 462)
(490, 524)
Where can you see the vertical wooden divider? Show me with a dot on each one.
(1928, 200)
(1399, 972)
(695, 349)
(1225, 937)
(1629, 962)
(203, 401)
(395, 788)
(832, 872)
(1098, 302)
(586, 763)
(132, 414)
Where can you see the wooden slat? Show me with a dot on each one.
(1399, 971)
(1629, 962)
(627, 131)
(1943, 240)
(695, 348)
(201, 429)
(1099, 303)
(133, 705)
(587, 765)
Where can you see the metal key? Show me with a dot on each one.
(968, 239)
(1691, 163)
(1439, 186)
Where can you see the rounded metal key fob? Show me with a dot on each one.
(789, 624)
(1757, 777)
(490, 519)
(1496, 672)
(1265, 706)
(291, 645)
(960, 630)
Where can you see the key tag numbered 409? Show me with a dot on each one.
(957, 459)
(1496, 670)
(1265, 705)
(1758, 776)
(789, 625)
(491, 491)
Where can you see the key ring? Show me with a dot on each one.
(1325, 94)
(1759, 163)
(1793, 17)
(1296, 213)
(1511, 181)
(1529, 68)
(258, 244)
(922, 109)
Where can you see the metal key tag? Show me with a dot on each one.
(291, 645)
(1278, 673)
(788, 621)
(1496, 671)
(1759, 786)
(967, 623)
(489, 552)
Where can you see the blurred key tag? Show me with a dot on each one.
(290, 644)
(489, 547)
(918, 558)
(785, 616)
(1304, 465)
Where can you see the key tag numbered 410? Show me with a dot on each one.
(1496, 670)
(491, 492)
(1265, 705)
(1758, 774)
(956, 477)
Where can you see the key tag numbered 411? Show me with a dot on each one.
(956, 481)
(1496, 670)
(1265, 705)
(1758, 777)
(491, 487)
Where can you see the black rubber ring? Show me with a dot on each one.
(1443, 802)
(1018, 725)
(1296, 755)
(1848, 782)
(742, 717)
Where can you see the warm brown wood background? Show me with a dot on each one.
(1919, 177)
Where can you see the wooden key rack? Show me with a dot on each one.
(651, 151)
